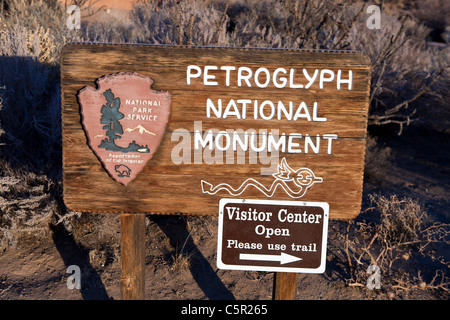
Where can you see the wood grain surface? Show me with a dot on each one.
(284, 286)
(132, 278)
(166, 186)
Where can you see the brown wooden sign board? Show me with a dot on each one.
(250, 123)
(270, 235)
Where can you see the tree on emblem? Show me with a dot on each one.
(110, 118)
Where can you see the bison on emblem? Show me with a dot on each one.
(122, 170)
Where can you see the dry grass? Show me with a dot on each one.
(26, 204)
(399, 238)
(36, 29)
(180, 259)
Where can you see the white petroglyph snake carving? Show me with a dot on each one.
(294, 182)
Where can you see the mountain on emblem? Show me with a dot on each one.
(141, 130)
(124, 121)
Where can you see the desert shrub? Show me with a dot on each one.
(35, 28)
(397, 236)
(168, 22)
(434, 14)
(32, 34)
(26, 204)
(270, 24)
(401, 220)
(30, 113)
(405, 73)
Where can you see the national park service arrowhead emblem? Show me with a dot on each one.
(124, 120)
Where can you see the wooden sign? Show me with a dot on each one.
(250, 123)
(268, 235)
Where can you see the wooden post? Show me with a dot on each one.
(132, 280)
(284, 286)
